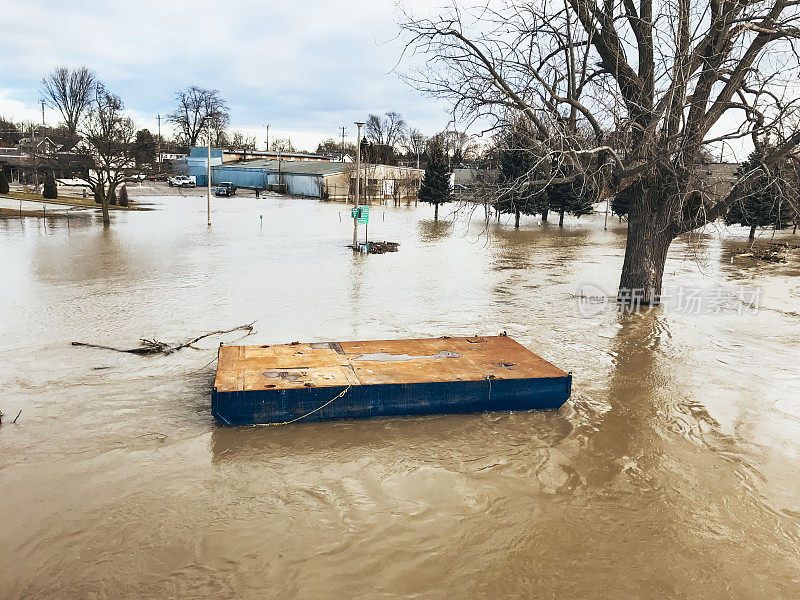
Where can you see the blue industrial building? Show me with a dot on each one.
(301, 178)
(314, 178)
(196, 164)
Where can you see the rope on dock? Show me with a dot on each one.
(344, 391)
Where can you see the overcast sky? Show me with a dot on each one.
(306, 67)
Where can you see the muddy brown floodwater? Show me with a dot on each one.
(671, 473)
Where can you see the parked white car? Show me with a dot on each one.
(182, 181)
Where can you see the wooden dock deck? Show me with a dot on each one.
(280, 383)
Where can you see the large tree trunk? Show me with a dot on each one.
(752, 233)
(649, 238)
(106, 218)
(516, 220)
(561, 218)
(436, 212)
(544, 214)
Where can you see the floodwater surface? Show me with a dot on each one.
(672, 472)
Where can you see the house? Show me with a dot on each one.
(474, 177)
(39, 146)
(170, 156)
(718, 178)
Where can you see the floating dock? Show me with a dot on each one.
(279, 384)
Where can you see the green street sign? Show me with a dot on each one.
(361, 213)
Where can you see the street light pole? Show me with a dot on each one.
(358, 185)
(208, 172)
(160, 159)
(208, 179)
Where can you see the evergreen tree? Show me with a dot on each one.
(621, 201)
(3, 181)
(767, 202)
(112, 197)
(144, 148)
(574, 198)
(519, 164)
(435, 188)
(123, 196)
(50, 190)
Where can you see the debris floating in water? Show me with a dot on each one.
(774, 253)
(377, 247)
(156, 347)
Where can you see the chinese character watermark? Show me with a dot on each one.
(593, 300)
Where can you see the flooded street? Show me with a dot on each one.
(672, 472)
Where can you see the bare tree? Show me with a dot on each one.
(282, 145)
(70, 91)
(109, 135)
(195, 105)
(414, 143)
(459, 145)
(386, 131)
(628, 93)
(374, 130)
(242, 141)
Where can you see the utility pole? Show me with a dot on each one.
(359, 124)
(42, 113)
(447, 146)
(160, 159)
(208, 181)
(35, 151)
(208, 171)
(267, 126)
(343, 130)
(455, 135)
(280, 176)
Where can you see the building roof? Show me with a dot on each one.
(295, 166)
(287, 155)
(304, 167)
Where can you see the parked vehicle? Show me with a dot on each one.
(226, 188)
(182, 181)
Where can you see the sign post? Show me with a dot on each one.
(363, 217)
(358, 183)
(360, 214)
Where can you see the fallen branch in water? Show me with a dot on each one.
(156, 347)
